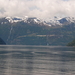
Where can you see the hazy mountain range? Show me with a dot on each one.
(34, 31)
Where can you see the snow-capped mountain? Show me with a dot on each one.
(31, 30)
(25, 19)
(34, 20)
(15, 19)
(61, 21)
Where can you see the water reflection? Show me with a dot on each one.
(37, 60)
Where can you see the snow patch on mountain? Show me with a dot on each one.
(15, 19)
(53, 22)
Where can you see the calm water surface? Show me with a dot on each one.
(37, 60)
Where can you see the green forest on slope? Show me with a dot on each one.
(71, 43)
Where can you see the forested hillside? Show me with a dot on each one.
(71, 43)
(2, 42)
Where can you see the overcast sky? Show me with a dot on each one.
(43, 9)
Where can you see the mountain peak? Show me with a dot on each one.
(54, 22)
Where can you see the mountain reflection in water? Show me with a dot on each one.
(37, 60)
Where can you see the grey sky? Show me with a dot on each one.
(43, 9)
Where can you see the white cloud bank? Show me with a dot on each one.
(37, 8)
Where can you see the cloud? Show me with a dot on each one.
(43, 9)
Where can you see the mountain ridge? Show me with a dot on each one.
(33, 31)
(54, 22)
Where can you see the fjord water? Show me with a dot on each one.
(37, 60)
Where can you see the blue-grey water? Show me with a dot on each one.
(37, 60)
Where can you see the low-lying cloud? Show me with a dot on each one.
(43, 9)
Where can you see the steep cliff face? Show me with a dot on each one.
(2, 42)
